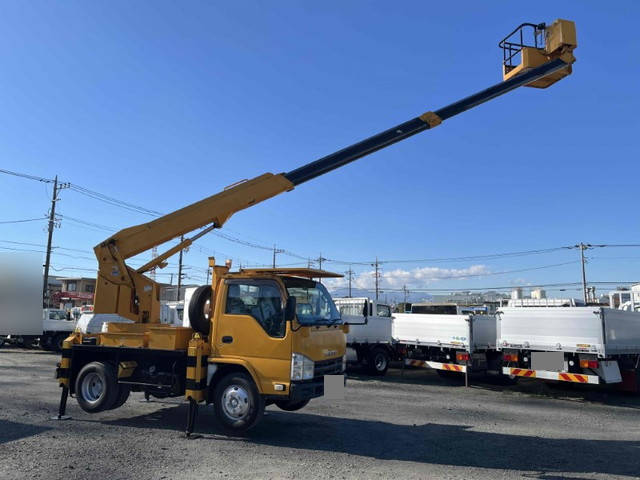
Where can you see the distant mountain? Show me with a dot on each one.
(385, 297)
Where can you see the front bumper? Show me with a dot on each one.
(309, 389)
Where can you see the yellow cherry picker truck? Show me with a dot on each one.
(257, 336)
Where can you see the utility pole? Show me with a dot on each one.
(377, 275)
(275, 251)
(180, 270)
(52, 223)
(406, 293)
(154, 254)
(320, 259)
(349, 274)
(208, 273)
(583, 247)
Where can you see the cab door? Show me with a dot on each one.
(251, 326)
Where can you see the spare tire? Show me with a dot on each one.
(199, 315)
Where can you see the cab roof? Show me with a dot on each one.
(293, 272)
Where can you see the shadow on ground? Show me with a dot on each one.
(10, 431)
(455, 445)
(603, 394)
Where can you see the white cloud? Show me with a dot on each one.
(417, 277)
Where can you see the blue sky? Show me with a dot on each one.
(163, 103)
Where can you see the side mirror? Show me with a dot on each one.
(290, 309)
(365, 310)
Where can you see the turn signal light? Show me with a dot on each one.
(589, 364)
(510, 357)
(462, 357)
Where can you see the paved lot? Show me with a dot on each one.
(415, 425)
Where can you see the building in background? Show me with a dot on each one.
(517, 294)
(75, 292)
(538, 294)
(54, 287)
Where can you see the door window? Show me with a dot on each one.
(260, 300)
(383, 311)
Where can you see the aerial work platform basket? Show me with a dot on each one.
(531, 45)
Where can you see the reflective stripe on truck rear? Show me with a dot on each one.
(451, 367)
(546, 375)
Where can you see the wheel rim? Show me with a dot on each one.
(92, 387)
(235, 402)
(380, 362)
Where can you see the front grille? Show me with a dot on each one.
(327, 367)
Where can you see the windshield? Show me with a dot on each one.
(314, 305)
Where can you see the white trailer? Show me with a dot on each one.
(369, 341)
(49, 332)
(449, 343)
(571, 344)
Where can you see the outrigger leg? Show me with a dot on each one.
(62, 408)
(191, 417)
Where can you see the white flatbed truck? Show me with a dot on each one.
(590, 344)
(451, 344)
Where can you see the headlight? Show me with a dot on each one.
(301, 367)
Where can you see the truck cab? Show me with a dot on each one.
(369, 340)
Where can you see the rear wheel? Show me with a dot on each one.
(238, 404)
(96, 387)
(378, 361)
(45, 342)
(291, 407)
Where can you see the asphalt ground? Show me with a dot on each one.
(409, 424)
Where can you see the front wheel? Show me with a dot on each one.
(291, 406)
(378, 361)
(238, 404)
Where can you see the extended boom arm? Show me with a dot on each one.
(128, 293)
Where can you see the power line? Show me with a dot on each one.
(454, 259)
(29, 177)
(114, 201)
(88, 224)
(23, 221)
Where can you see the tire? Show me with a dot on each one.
(237, 402)
(123, 395)
(1, 341)
(200, 322)
(291, 407)
(96, 387)
(57, 341)
(378, 361)
(45, 342)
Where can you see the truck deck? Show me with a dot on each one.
(598, 330)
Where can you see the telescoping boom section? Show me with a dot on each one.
(127, 292)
